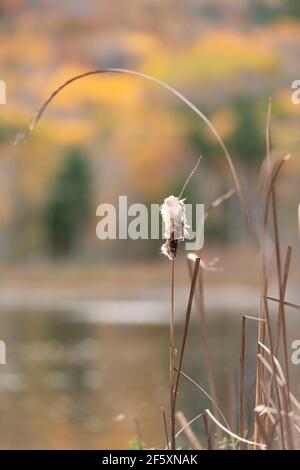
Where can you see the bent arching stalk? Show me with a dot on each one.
(189, 104)
(230, 163)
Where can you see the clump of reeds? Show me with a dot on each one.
(275, 421)
(276, 414)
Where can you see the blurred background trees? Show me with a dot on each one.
(293, 8)
(67, 209)
(247, 140)
(128, 136)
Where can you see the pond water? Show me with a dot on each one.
(72, 384)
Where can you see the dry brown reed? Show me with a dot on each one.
(276, 413)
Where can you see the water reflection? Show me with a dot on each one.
(80, 385)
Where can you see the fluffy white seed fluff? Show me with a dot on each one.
(174, 217)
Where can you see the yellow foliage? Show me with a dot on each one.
(108, 89)
(215, 55)
(140, 43)
(25, 48)
(71, 131)
(224, 122)
(150, 143)
(283, 99)
(286, 28)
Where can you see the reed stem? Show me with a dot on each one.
(171, 358)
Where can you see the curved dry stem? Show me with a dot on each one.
(189, 423)
(183, 428)
(188, 103)
(232, 434)
(206, 394)
(217, 202)
(275, 173)
(189, 177)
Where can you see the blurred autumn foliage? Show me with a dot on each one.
(227, 57)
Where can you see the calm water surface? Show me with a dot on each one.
(75, 385)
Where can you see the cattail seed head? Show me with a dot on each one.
(174, 217)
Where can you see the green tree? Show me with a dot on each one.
(247, 141)
(66, 212)
(293, 7)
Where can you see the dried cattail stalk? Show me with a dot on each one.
(176, 229)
